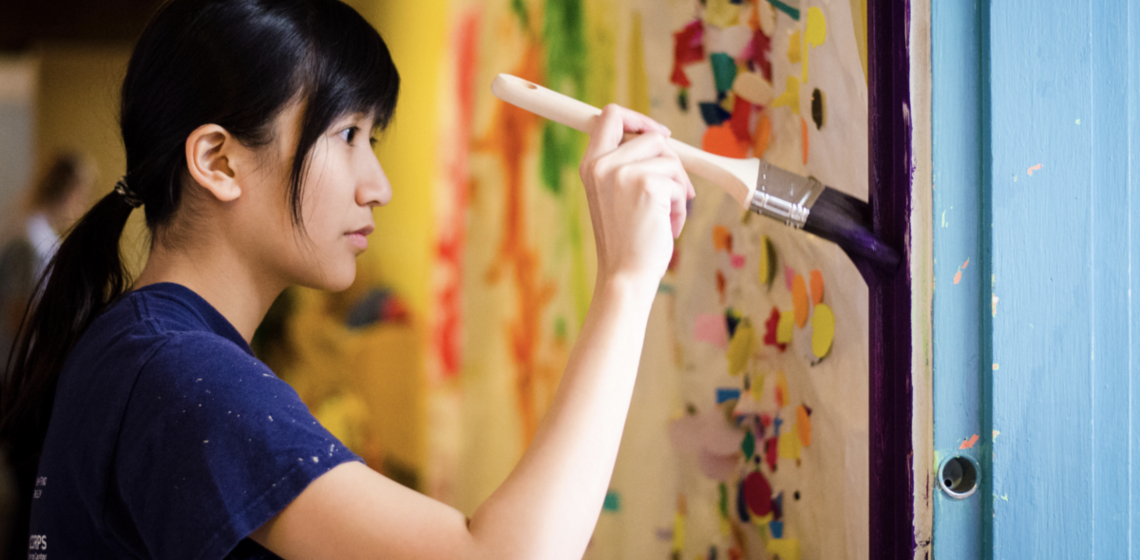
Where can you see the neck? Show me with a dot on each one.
(240, 293)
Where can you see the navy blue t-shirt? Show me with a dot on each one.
(169, 439)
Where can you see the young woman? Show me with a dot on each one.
(246, 125)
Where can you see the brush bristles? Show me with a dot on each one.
(846, 221)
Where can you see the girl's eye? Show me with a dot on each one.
(349, 134)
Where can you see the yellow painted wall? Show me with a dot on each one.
(402, 246)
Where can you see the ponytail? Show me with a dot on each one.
(234, 63)
(84, 277)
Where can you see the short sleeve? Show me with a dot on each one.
(212, 446)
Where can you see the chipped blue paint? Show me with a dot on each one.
(1017, 84)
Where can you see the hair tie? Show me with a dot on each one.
(128, 195)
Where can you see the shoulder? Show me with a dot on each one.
(191, 364)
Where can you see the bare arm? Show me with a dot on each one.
(548, 506)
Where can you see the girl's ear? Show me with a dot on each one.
(211, 157)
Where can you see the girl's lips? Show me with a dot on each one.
(359, 238)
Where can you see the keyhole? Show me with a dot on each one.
(959, 476)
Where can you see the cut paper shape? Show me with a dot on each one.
(761, 138)
(758, 494)
(722, 13)
(781, 394)
(800, 303)
(823, 330)
(818, 111)
(757, 391)
(957, 277)
(816, 27)
(713, 114)
(762, 54)
(721, 284)
(688, 47)
(785, 549)
(741, 117)
(804, 135)
(748, 445)
(784, 327)
(792, 11)
(794, 55)
(723, 503)
(776, 528)
(612, 501)
(816, 287)
(737, 261)
(740, 348)
(722, 141)
(790, 445)
(771, 326)
(765, 18)
(727, 101)
(741, 504)
(803, 425)
(725, 394)
(791, 96)
(969, 443)
(731, 320)
(735, 41)
(683, 100)
(722, 239)
(772, 452)
(724, 71)
(767, 261)
(789, 275)
(678, 533)
(753, 88)
(711, 328)
(1034, 168)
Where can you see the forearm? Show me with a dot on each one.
(549, 505)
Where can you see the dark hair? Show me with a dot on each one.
(60, 179)
(234, 63)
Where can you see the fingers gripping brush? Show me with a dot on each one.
(799, 202)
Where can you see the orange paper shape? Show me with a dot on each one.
(816, 287)
(800, 300)
(722, 141)
(722, 239)
(803, 425)
(969, 443)
(762, 135)
(804, 129)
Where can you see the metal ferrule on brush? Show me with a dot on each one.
(784, 196)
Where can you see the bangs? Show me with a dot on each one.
(347, 69)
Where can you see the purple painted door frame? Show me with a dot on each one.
(891, 507)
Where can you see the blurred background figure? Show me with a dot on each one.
(56, 200)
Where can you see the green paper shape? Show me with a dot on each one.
(748, 446)
(724, 71)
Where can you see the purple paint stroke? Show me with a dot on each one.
(891, 515)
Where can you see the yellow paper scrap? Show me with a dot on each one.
(823, 330)
(789, 446)
(816, 31)
(784, 327)
(791, 95)
(758, 387)
(761, 521)
(678, 532)
(794, 48)
(786, 549)
(740, 347)
(722, 13)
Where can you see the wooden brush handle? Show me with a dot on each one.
(736, 176)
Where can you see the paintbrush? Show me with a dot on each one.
(799, 202)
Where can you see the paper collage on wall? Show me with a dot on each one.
(747, 437)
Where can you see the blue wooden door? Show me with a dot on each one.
(1037, 257)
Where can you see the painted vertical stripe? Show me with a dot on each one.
(1108, 278)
